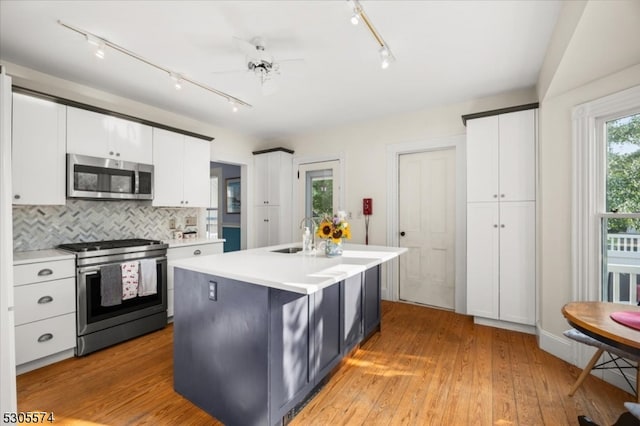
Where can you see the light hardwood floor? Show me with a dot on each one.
(427, 367)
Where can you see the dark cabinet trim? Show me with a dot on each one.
(266, 151)
(498, 111)
(68, 102)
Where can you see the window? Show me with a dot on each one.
(318, 189)
(620, 222)
(606, 198)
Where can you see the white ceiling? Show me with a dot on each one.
(446, 51)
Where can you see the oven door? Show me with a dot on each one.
(92, 316)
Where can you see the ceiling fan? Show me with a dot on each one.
(261, 63)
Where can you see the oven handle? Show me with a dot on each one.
(92, 270)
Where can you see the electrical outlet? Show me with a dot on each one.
(213, 290)
(191, 221)
(172, 223)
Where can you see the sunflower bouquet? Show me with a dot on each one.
(334, 228)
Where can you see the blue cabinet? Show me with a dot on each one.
(251, 355)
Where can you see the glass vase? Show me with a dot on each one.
(332, 249)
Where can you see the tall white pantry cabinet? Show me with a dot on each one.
(501, 221)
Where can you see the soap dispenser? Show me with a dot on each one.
(306, 240)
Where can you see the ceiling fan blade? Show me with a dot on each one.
(233, 71)
(269, 87)
(244, 46)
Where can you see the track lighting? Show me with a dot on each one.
(179, 79)
(98, 43)
(386, 57)
(234, 106)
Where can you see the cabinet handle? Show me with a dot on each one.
(45, 299)
(266, 220)
(502, 226)
(495, 225)
(117, 154)
(197, 252)
(44, 272)
(181, 201)
(17, 196)
(501, 195)
(186, 202)
(110, 152)
(45, 337)
(495, 195)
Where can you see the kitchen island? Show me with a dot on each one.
(257, 331)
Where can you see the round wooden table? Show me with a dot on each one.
(593, 319)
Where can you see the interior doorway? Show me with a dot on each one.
(427, 222)
(224, 214)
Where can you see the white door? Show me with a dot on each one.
(427, 227)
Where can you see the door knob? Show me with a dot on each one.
(402, 234)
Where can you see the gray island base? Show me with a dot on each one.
(252, 354)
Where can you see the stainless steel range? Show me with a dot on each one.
(103, 324)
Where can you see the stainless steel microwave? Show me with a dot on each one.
(106, 178)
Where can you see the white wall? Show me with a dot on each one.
(612, 30)
(364, 149)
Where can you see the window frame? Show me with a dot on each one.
(589, 186)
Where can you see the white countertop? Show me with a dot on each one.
(298, 272)
(34, 256)
(193, 242)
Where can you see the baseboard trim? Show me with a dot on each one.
(523, 328)
(556, 346)
(41, 362)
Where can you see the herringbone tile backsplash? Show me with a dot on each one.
(43, 227)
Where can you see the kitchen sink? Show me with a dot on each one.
(288, 250)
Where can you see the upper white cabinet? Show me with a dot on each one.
(181, 170)
(99, 135)
(501, 157)
(273, 178)
(272, 197)
(38, 151)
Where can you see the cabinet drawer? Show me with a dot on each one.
(47, 337)
(43, 271)
(176, 253)
(34, 302)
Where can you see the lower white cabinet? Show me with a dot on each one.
(45, 309)
(184, 251)
(268, 226)
(501, 261)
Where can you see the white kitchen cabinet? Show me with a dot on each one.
(272, 197)
(185, 250)
(38, 151)
(501, 261)
(501, 222)
(181, 170)
(104, 136)
(501, 157)
(268, 229)
(45, 312)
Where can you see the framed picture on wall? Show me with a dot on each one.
(233, 195)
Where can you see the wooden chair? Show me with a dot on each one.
(618, 357)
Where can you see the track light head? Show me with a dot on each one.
(177, 80)
(98, 43)
(355, 19)
(385, 57)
